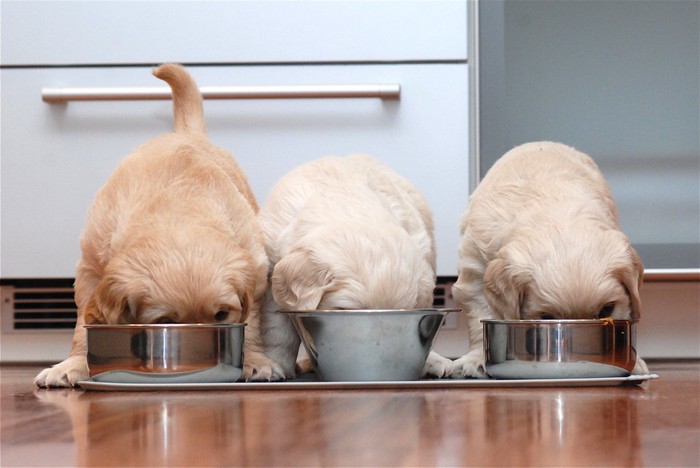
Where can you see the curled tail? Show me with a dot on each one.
(187, 100)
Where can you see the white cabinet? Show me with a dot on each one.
(148, 32)
(54, 157)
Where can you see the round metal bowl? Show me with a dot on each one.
(182, 353)
(559, 349)
(368, 344)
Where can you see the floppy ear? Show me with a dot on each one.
(108, 303)
(299, 281)
(503, 288)
(92, 313)
(246, 300)
(631, 276)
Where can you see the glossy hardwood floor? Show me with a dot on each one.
(657, 424)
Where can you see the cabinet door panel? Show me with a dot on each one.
(56, 156)
(141, 32)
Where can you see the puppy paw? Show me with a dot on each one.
(469, 366)
(437, 366)
(640, 368)
(64, 374)
(263, 369)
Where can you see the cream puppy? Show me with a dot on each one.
(172, 236)
(344, 233)
(541, 240)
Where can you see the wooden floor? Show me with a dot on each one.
(657, 424)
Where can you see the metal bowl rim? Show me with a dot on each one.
(561, 322)
(365, 312)
(163, 326)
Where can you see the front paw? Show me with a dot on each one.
(64, 374)
(436, 366)
(469, 366)
(260, 368)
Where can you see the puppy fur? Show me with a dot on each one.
(344, 233)
(541, 240)
(171, 237)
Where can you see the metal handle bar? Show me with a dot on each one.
(380, 91)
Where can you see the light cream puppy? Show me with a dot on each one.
(172, 236)
(541, 240)
(344, 233)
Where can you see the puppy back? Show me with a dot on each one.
(187, 100)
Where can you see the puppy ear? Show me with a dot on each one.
(631, 275)
(503, 288)
(108, 303)
(92, 313)
(299, 281)
(246, 301)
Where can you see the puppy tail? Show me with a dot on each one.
(187, 100)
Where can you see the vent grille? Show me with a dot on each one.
(41, 305)
(442, 295)
(38, 307)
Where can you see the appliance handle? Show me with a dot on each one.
(677, 274)
(380, 91)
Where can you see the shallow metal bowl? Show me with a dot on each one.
(368, 344)
(559, 349)
(180, 353)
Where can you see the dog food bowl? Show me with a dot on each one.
(368, 345)
(163, 353)
(559, 349)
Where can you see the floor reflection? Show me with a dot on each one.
(239, 428)
(583, 427)
(587, 426)
(380, 429)
(155, 429)
(514, 427)
(656, 424)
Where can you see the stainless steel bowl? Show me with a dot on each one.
(182, 353)
(368, 345)
(559, 349)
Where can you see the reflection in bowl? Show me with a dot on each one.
(559, 349)
(368, 344)
(140, 353)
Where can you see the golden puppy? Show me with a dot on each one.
(541, 240)
(172, 237)
(344, 233)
